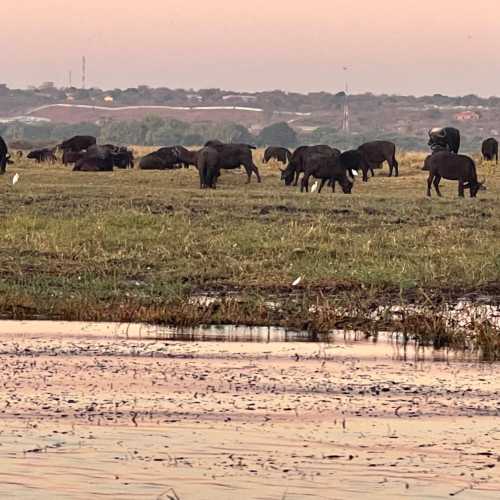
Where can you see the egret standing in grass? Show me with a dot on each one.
(15, 179)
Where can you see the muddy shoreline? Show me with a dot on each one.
(95, 410)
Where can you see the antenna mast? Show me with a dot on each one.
(84, 72)
(346, 120)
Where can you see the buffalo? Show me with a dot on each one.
(279, 154)
(163, 159)
(447, 165)
(447, 138)
(69, 157)
(231, 156)
(298, 159)
(78, 143)
(208, 160)
(326, 168)
(4, 156)
(186, 157)
(489, 149)
(91, 163)
(42, 155)
(374, 154)
(123, 158)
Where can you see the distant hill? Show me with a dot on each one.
(317, 115)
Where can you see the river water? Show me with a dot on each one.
(131, 411)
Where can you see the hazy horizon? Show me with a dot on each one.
(388, 48)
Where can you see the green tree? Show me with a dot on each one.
(278, 134)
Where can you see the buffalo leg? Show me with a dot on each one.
(365, 174)
(297, 175)
(461, 188)
(304, 184)
(256, 171)
(437, 180)
(429, 184)
(323, 182)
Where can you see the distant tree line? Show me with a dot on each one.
(156, 131)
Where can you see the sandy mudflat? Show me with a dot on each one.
(88, 413)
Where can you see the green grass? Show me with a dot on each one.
(134, 245)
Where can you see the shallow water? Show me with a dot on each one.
(129, 411)
(387, 345)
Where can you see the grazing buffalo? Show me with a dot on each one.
(351, 160)
(208, 167)
(447, 138)
(279, 154)
(230, 156)
(187, 157)
(326, 168)
(447, 165)
(490, 149)
(78, 143)
(123, 158)
(374, 154)
(42, 156)
(298, 159)
(69, 157)
(4, 156)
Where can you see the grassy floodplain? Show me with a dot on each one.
(144, 246)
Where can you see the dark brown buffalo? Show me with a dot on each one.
(44, 155)
(328, 169)
(299, 157)
(69, 157)
(163, 159)
(208, 160)
(123, 158)
(94, 164)
(78, 143)
(231, 156)
(446, 138)
(489, 149)
(374, 154)
(4, 156)
(187, 157)
(279, 154)
(447, 165)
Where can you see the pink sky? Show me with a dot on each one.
(390, 46)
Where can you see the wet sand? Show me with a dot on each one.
(104, 412)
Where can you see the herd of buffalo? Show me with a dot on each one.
(324, 163)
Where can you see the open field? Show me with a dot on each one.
(151, 246)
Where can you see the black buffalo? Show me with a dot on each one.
(78, 143)
(90, 163)
(69, 157)
(326, 168)
(489, 149)
(186, 157)
(163, 159)
(447, 138)
(374, 154)
(123, 158)
(447, 165)
(230, 156)
(208, 167)
(44, 155)
(298, 160)
(279, 154)
(4, 156)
